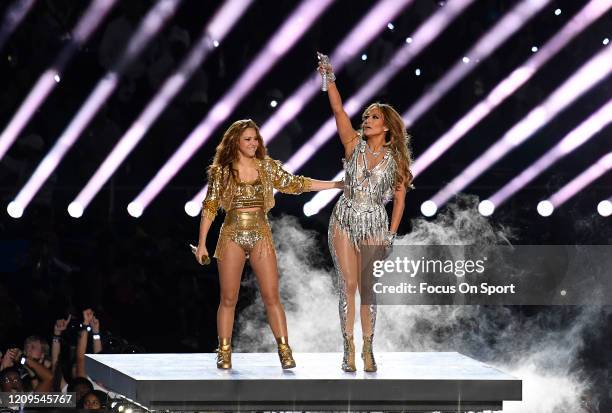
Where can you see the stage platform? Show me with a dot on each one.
(415, 382)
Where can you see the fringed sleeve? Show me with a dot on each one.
(213, 195)
(286, 182)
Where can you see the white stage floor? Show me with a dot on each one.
(404, 381)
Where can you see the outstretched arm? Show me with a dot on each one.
(287, 183)
(347, 134)
(316, 185)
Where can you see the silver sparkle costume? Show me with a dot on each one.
(359, 216)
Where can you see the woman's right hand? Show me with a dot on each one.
(325, 68)
(200, 252)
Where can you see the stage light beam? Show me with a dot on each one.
(501, 31)
(148, 27)
(87, 24)
(13, 17)
(223, 20)
(578, 136)
(519, 77)
(585, 78)
(599, 168)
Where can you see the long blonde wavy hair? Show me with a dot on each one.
(227, 150)
(399, 141)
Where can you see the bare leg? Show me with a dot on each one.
(267, 275)
(266, 272)
(230, 273)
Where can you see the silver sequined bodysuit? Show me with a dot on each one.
(360, 218)
(360, 212)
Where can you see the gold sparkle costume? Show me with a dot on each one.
(248, 228)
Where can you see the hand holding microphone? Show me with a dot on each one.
(201, 254)
(326, 70)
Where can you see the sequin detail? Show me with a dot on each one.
(247, 229)
(248, 195)
(360, 211)
(361, 216)
(222, 187)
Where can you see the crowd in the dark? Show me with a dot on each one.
(60, 367)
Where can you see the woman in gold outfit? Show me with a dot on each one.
(241, 181)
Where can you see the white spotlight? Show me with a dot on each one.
(273, 103)
(605, 208)
(364, 57)
(192, 208)
(557, 12)
(466, 59)
(310, 209)
(429, 208)
(606, 41)
(216, 43)
(545, 208)
(75, 210)
(408, 40)
(135, 209)
(417, 72)
(486, 208)
(57, 78)
(390, 26)
(14, 210)
(534, 49)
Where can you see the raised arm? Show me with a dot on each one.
(44, 375)
(346, 132)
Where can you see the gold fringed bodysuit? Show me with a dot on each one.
(248, 228)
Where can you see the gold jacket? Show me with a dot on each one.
(221, 185)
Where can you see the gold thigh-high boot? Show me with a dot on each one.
(284, 353)
(224, 353)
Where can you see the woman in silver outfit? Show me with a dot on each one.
(377, 168)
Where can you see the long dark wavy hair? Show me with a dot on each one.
(227, 150)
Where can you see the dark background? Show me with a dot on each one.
(138, 274)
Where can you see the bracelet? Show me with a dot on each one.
(331, 77)
(96, 336)
(391, 237)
